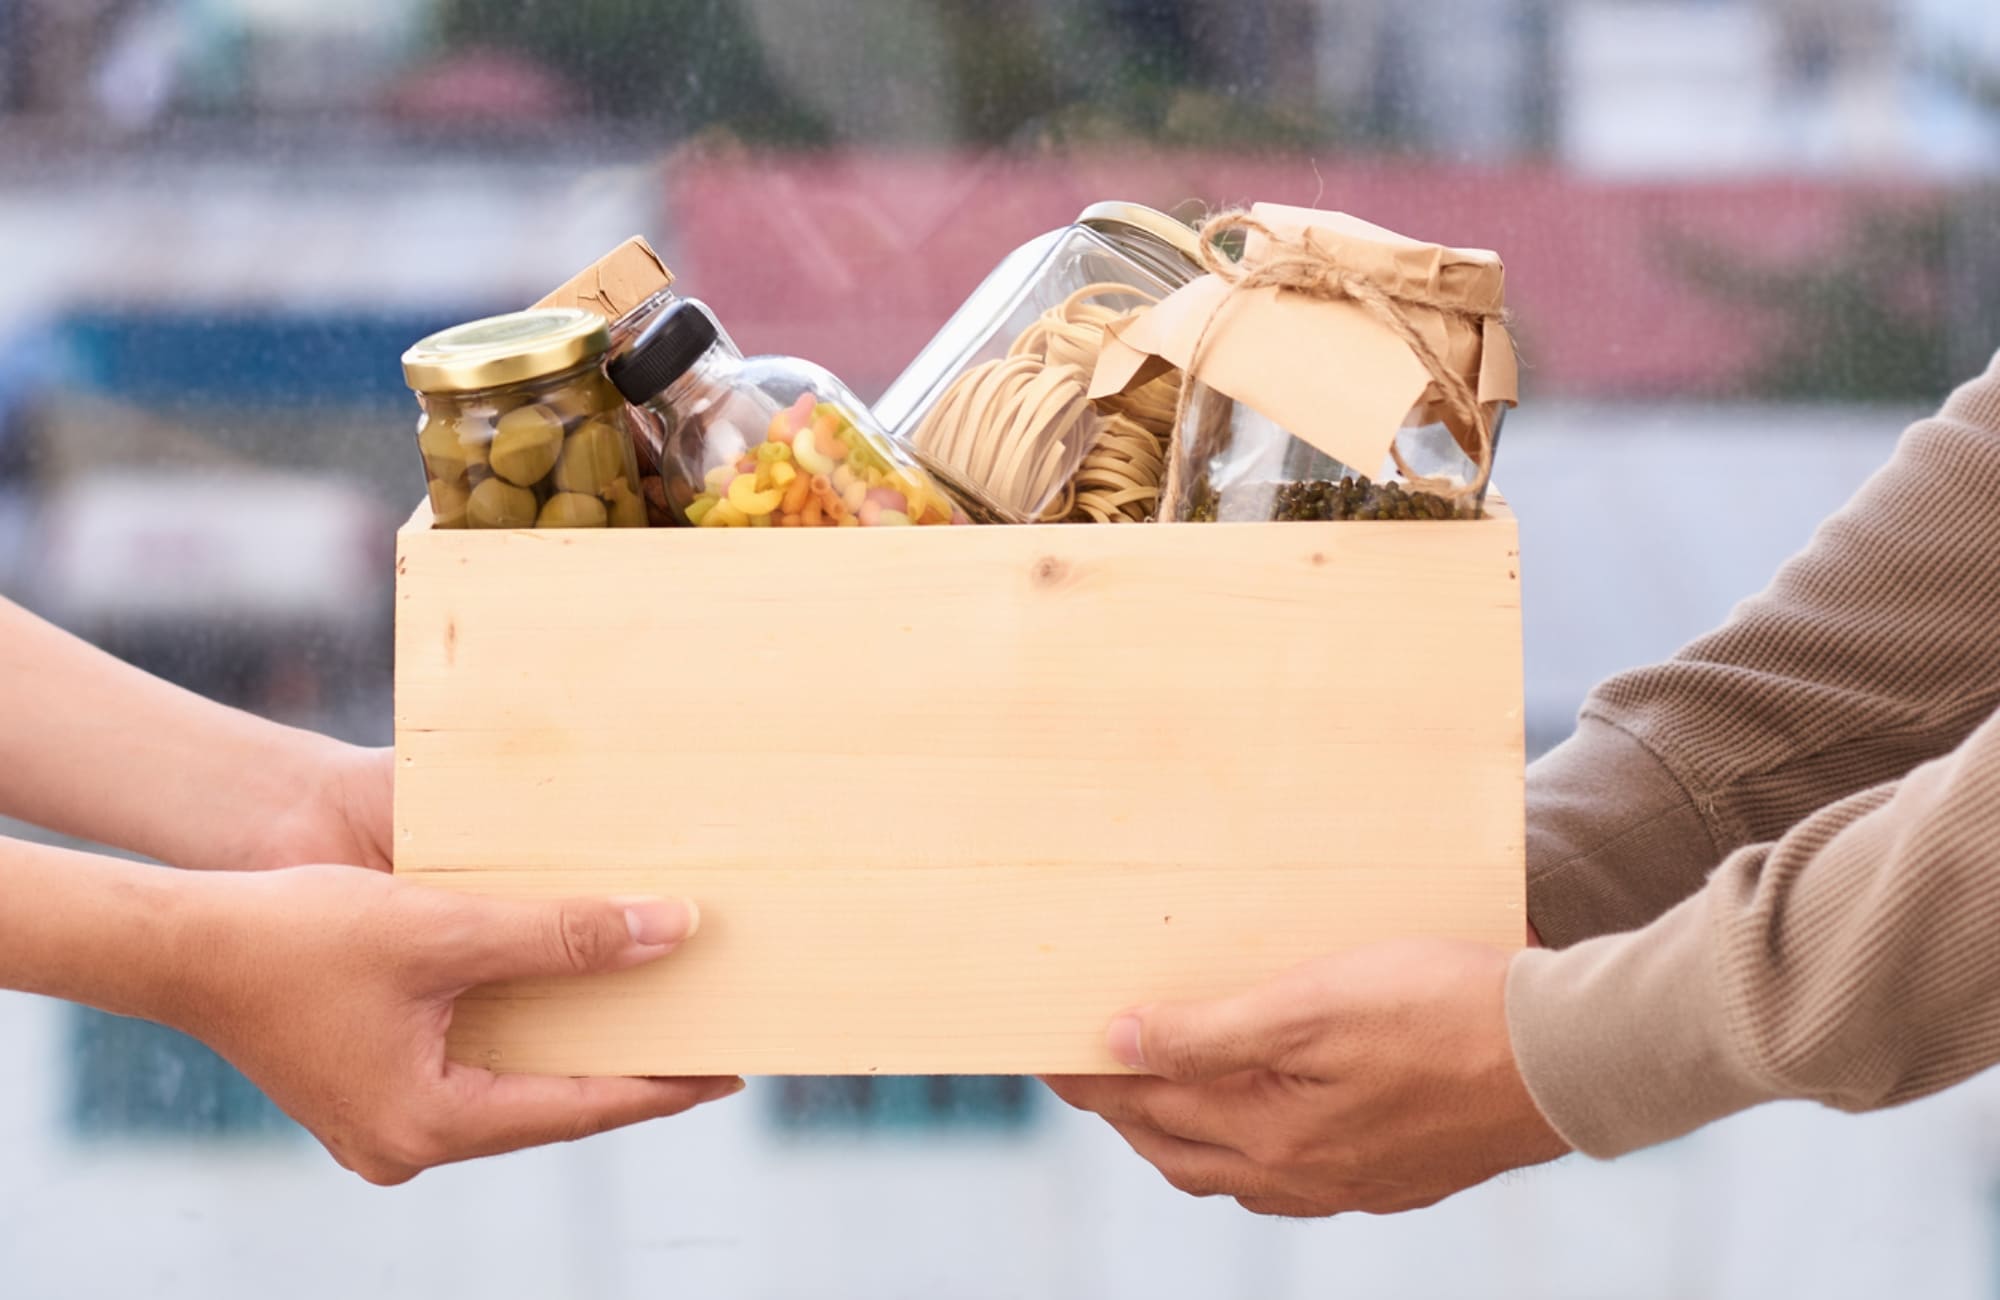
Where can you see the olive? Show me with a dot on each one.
(584, 398)
(448, 453)
(573, 510)
(627, 507)
(526, 445)
(448, 503)
(497, 503)
(595, 456)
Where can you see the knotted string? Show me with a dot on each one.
(1298, 266)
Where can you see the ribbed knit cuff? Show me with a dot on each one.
(1625, 1041)
(1613, 839)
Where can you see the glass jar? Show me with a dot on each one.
(998, 403)
(1233, 464)
(768, 441)
(521, 429)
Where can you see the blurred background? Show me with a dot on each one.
(1748, 241)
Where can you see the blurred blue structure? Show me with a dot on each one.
(239, 358)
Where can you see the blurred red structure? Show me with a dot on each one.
(855, 260)
(481, 86)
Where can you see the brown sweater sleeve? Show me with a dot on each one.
(1843, 951)
(1875, 650)
(1853, 963)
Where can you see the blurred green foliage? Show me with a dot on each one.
(1868, 320)
(1011, 73)
(689, 64)
(1148, 69)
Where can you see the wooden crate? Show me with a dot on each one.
(952, 798)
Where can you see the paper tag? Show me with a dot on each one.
(1330, 373)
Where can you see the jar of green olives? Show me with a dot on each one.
(520, 427)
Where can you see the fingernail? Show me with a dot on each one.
(727, 1088)
(1124, 1041)
(660, 922)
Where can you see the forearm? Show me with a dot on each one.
(1614, 840)
(94, 748)
(95, 930)
(1874, 651)
(1850, 963)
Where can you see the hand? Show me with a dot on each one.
(342, 816)
(1381, 1080)
(332, 990)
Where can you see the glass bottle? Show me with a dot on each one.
(768, 441)
(651, 430)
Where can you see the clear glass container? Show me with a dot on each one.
(1235, 465)
(769, 441)
(998, 403)
(521, 429)
(650, 429)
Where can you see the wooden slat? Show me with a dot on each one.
(937, 790)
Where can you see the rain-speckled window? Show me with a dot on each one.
(1746, 242)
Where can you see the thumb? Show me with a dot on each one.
(1196, 1042)
(579, 936)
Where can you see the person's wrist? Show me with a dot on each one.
(145, 943)
(274, 775)
(361, 801)
(333, 774)
(204, 956)
(308, 806)
(1541, 1140)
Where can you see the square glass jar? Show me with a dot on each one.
(998, 404)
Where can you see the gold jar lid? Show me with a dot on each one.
(502, 350)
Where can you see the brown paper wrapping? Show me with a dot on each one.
(1329, 372)
(616, 283)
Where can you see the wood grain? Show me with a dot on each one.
(938, 791)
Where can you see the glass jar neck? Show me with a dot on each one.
(706, 380)
(634, 322)
(535, 384)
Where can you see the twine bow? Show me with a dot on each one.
(1298, 266)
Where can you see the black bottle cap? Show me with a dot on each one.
(666, 351)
